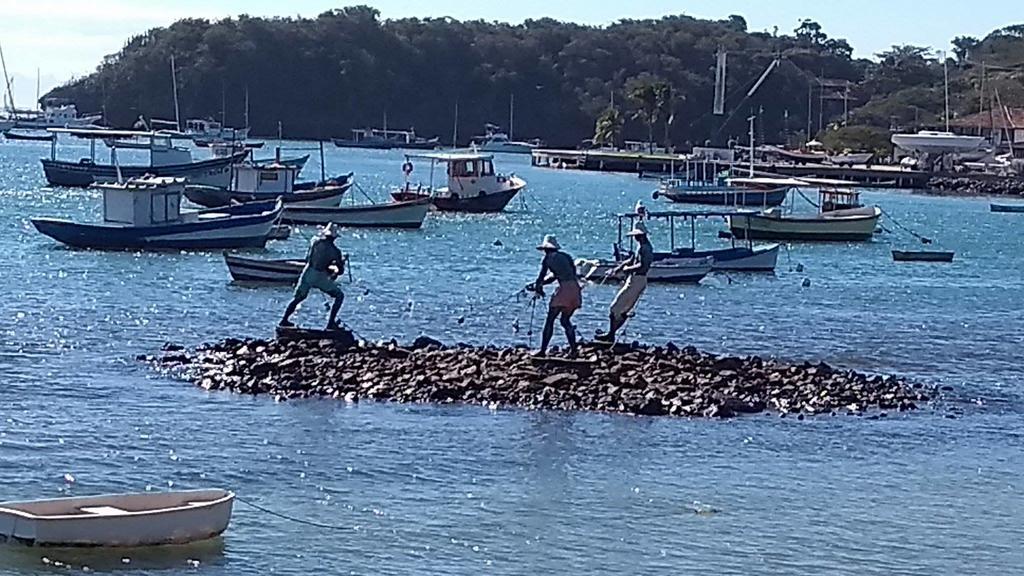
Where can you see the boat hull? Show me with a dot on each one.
(1008, 208)
(215, 172)
(404, 214)
(243, 226)
(211, 197)
(841, 226)
(922, 256)
(145, 519)
(263, 271)
(738, 259)
(670, 271)
(484, 203)
(726, 196)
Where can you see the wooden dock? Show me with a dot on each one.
(708, 170)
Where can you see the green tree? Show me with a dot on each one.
(608, 128)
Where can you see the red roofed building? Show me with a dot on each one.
(1004, 126)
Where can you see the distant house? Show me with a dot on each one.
(1004, 127)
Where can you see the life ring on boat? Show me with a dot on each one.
(407, 168)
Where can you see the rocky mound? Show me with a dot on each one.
(630, 379)
(977, 187)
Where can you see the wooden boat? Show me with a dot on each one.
(1015, 208)
(142, 519)
(403, 214)
(922, 256)
(339, 180)
(745, 257)
(165, 160)
(674, 271)
(298, 162)
(28, 135)
(841, 219)
(473, 186)
(145, 213)
(763, 192)
(261, 270)
(254, 183)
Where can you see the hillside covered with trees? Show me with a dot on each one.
(347, 68)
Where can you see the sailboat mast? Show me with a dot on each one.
(37, 89)
(247, 106)
(7, 80)
(174, 87)
(511, 111)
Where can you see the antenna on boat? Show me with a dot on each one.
(174, 86)
(455, 128)
(751, 120)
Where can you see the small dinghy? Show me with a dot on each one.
(668, 271)
(1014, 208)
(922, 256)
(408, 214)
(141, 519)
(281, 271)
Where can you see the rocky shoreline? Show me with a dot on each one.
(1007, 186)
(631, 379)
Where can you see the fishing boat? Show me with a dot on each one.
(253, 183)
(398, 214)
(922, 256)
(298, 162)
(165, 160)
(339, 180)
(55, 113)
(264, 271)
(496, 140)
(384, 139)
(473, 185)
(145, 213)
(840, 218)
(118, 520)
(1014, 208)
(676, 271)
(28, 135)
(753, 191)
(209, 131)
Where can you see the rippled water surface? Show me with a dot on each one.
(463, 490)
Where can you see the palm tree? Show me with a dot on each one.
(645, 95)
(608, 128)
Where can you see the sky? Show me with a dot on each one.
(63, 39)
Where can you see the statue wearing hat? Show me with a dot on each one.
(567, 299)
(636, 267)
(324, 262)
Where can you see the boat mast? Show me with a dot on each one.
(511, 111)
(38, 105)
(247, 106)
(7, 80)
(455, 128)
(751, 120)
(174, 87)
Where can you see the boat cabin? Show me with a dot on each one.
(273, 178)
(830, 199)
(146, 201)
(162, 151)
(627, 221)
(469, 173)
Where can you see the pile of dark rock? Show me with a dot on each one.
(633, 379)
(977, 187)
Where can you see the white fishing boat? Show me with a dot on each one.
(141, 519)
(145, 213)
(55, 113)
(398, 214)
(264, 271)
(251, 182)
(473, 185)
(840, 218)
(208, 131)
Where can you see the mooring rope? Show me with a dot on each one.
(292, 518)
(923, 239)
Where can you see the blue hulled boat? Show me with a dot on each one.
(145, 213)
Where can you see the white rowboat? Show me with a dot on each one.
(141, 519)
(408, 214)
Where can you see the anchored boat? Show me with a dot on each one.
(165, 160)
(141, 519)
(264, 271)
(402, 214)
(763, 192)
(840, 218)
(145, 213)
(1014, 208)
(255, 182)
(473, 185)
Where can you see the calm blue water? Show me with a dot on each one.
(463, 490)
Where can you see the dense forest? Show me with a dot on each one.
(348, 68)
